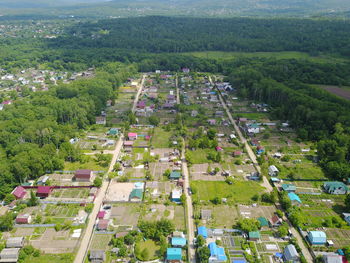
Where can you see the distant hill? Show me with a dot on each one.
(212, 8)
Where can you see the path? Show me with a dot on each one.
(189, 214)
(138, 93)
(177, 90)
(86, 239)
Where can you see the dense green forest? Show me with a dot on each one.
(35, 130)
(170, 34)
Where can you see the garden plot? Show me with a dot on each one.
(157, 169)
(70, 193)
(61, 212)
(158, 211)
(222, 216)
(118, 192)
(246, 211)
(100, 241)
(134, 172)
(157, 189)
(125, 214)
(61, 179)
(55, 242)
(340, 237)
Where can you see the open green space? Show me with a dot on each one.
(238, 192)
(160, 138)
(276, 55)
(301, 171)
(199, 156)
(253, 116)
(45, 258)
(100, 241)
(148, 245)
(88, 163)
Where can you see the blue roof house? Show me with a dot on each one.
(317, 237)
(178, 242)
(202, 230)
(294, 198)
(173, 254)
(217, 254)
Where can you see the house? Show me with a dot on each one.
(178, 241)
(259, 149)
(102, 224)
(132, 136)
(290, 188)
(9, 255)
(173, 254)
(43, 191)
(175, 175)
(217, 254)
(263, 221)
(186, 70)
(176, 195)
(294, 198)
(332, 258)
(290, 254)
(128, 144)
(219, 113)
(15, 242)
(212, 122)
(205, 214)
(252, 128)
(136, 195)
(254, 235)
(317, 237)
(101, 120)
(255, 142)
(141, 104)
(335, 188)
(273, 171)
(275, 221)
(202, 230)
(97, 256)
(255, 176)
(19, 192)
(101, 214)
(347, 217)
(113, 131)
(83, 175)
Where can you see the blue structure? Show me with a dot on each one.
(178, 242)
(217, 254)
(294, 198)
(173, 254)
(202, 230)
(317, 237)
(239, 261)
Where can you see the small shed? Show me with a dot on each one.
(136, 194)
(263, 221)
(97, 256)
(174, 254)
(273, 171)
(176, 195)
(23, 219)
(275, 221)
(289, 188)
(317, 237)
(132, 136)
(15, 242)
(101, 214)
(175, 175)
(83, 175)
(254, 235)
(19, 192)
(43, 191)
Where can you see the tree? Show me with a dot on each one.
(145, 254)
(97, 181)
(347, 201)
(283, 230)
(183, 199)
(33, 200)
(154, 120)
(129, 239)
(200, 241)
(6, 222)
(9, 198)
(167, 173)
(248, 224)
(203, 254)
(122, 251)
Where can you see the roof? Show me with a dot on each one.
(330, 186)
(290, 252)
(294, 197)
(178, 241)
(239, 261)
(289, 187)
(97, 254)
(101, 214)
(254, 234)
(202, 230)
(273, 168)
(175, 175)
(263, 221)
(44, 190)
(136, 193)
(8, 253)
(217, 252)
(132, 134)
(83, 172)
(14, 242)
(317, 234)
(103, 224)
(275, 219)
(331, 258)
(19, 192)
(173, 253)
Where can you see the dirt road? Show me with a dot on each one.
(139, 90)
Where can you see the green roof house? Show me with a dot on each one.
(175, 175)
(254, 235)
(289, 188)
(173, 254)
(263, 221)
(136, 195)
(113, 131)
(335, 188)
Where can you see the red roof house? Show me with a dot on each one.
(23, 219)
(101, 214)
(132, 136)
(128, 143)
(19, 192)
(43, 191)
(237, 153)
(276, 221)
(102, 224)
(219, 149)
(83, 175)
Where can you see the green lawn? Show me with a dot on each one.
(90, 163)
(148, 245)
(47, 258)
(277, 55)
(253, 116)
(302, 171)
(160, 138)
(238, 192)
(199, 156)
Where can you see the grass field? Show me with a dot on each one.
(276, 55)
(238, 192)
(199, 156)
(149, 245)
(91, 163)
(303, 171)
(100, 241)
(160, 138)
(45, 258)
